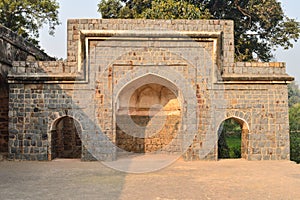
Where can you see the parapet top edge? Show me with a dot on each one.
(143, 33)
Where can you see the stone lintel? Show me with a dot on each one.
(151, 33)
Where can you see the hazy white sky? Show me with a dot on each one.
(56, 46)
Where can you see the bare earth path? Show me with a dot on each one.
(225, 179)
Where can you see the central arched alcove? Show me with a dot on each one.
(148, 115)
(65, 138)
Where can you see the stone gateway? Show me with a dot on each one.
(147, 87)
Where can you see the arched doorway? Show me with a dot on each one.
(65, 139)
(148, 116)
(233, 139)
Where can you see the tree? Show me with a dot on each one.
(260, 25)
(173, 9)
(293, 94)
(110, 8)
(223, 149)
(229, 142)
(27, 16)
(152, 9)
(294, 120)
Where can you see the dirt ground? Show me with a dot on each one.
(224, 179)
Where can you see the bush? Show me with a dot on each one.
(223, 149)
(229, 144)
(294, 116)
(295, 146)
(236, 152)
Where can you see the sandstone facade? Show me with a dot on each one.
(146, 86)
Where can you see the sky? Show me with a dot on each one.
(56, 45)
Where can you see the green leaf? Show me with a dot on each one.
(260, 26)
(26, 17)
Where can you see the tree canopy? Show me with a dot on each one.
(294, 116)
(293, 94)
(260, 25)
(27, 16)
(294, 120)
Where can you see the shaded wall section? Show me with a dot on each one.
(3, 115)
(12, 48)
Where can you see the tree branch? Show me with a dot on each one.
(243, 11)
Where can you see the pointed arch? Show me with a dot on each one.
(176, 84)
(148, 115)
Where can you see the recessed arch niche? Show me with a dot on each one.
(148, 115)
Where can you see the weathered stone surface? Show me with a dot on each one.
(120, 69)
(12, 48)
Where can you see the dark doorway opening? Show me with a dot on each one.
(4, 101)
(230, 139)
(66, 141)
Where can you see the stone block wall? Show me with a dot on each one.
(110, 60)
(79, 29)
(150, 142)
(12, 48)
(263, 110)
(35, 116)
(28, 138)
